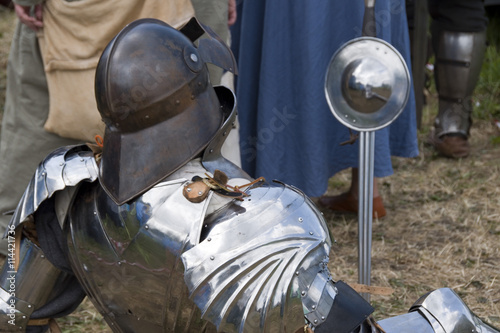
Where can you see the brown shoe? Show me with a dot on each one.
(451, 145)
(347, 203)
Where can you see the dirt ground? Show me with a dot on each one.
(442, 228)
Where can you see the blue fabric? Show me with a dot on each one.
(287, 131)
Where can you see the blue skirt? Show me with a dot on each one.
(287, 131)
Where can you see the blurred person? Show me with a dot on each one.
(24, 138)
(287, 130)
(458, 32)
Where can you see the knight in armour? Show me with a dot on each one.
(163, 234)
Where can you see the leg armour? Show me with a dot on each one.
(25, 286)
(440, 311)
(459, 56)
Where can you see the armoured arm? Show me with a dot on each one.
(64, 167)
(30, 285)
(440, 311)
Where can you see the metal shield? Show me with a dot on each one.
(367, 84)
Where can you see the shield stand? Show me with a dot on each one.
(365, 208)
(367, 85)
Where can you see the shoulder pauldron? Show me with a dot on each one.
(261, 262)
(64, 167)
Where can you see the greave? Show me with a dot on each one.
(459, 56)
(26, 283)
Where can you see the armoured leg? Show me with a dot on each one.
(440, 311)
(27, 281)
(459, 56)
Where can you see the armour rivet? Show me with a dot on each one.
(193, 57)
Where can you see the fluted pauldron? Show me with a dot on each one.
(65, 166)
(262, 263)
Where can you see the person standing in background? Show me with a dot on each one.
(24, 142)
(287, 131)
(458, 32)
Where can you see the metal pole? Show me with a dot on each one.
(365, 208)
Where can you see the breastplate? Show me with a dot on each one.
(127, 257)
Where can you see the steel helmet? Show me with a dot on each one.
(155, 97)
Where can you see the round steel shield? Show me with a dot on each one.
(367, 84)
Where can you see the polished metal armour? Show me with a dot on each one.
(153, 263)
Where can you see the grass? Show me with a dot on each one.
(443, 222)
